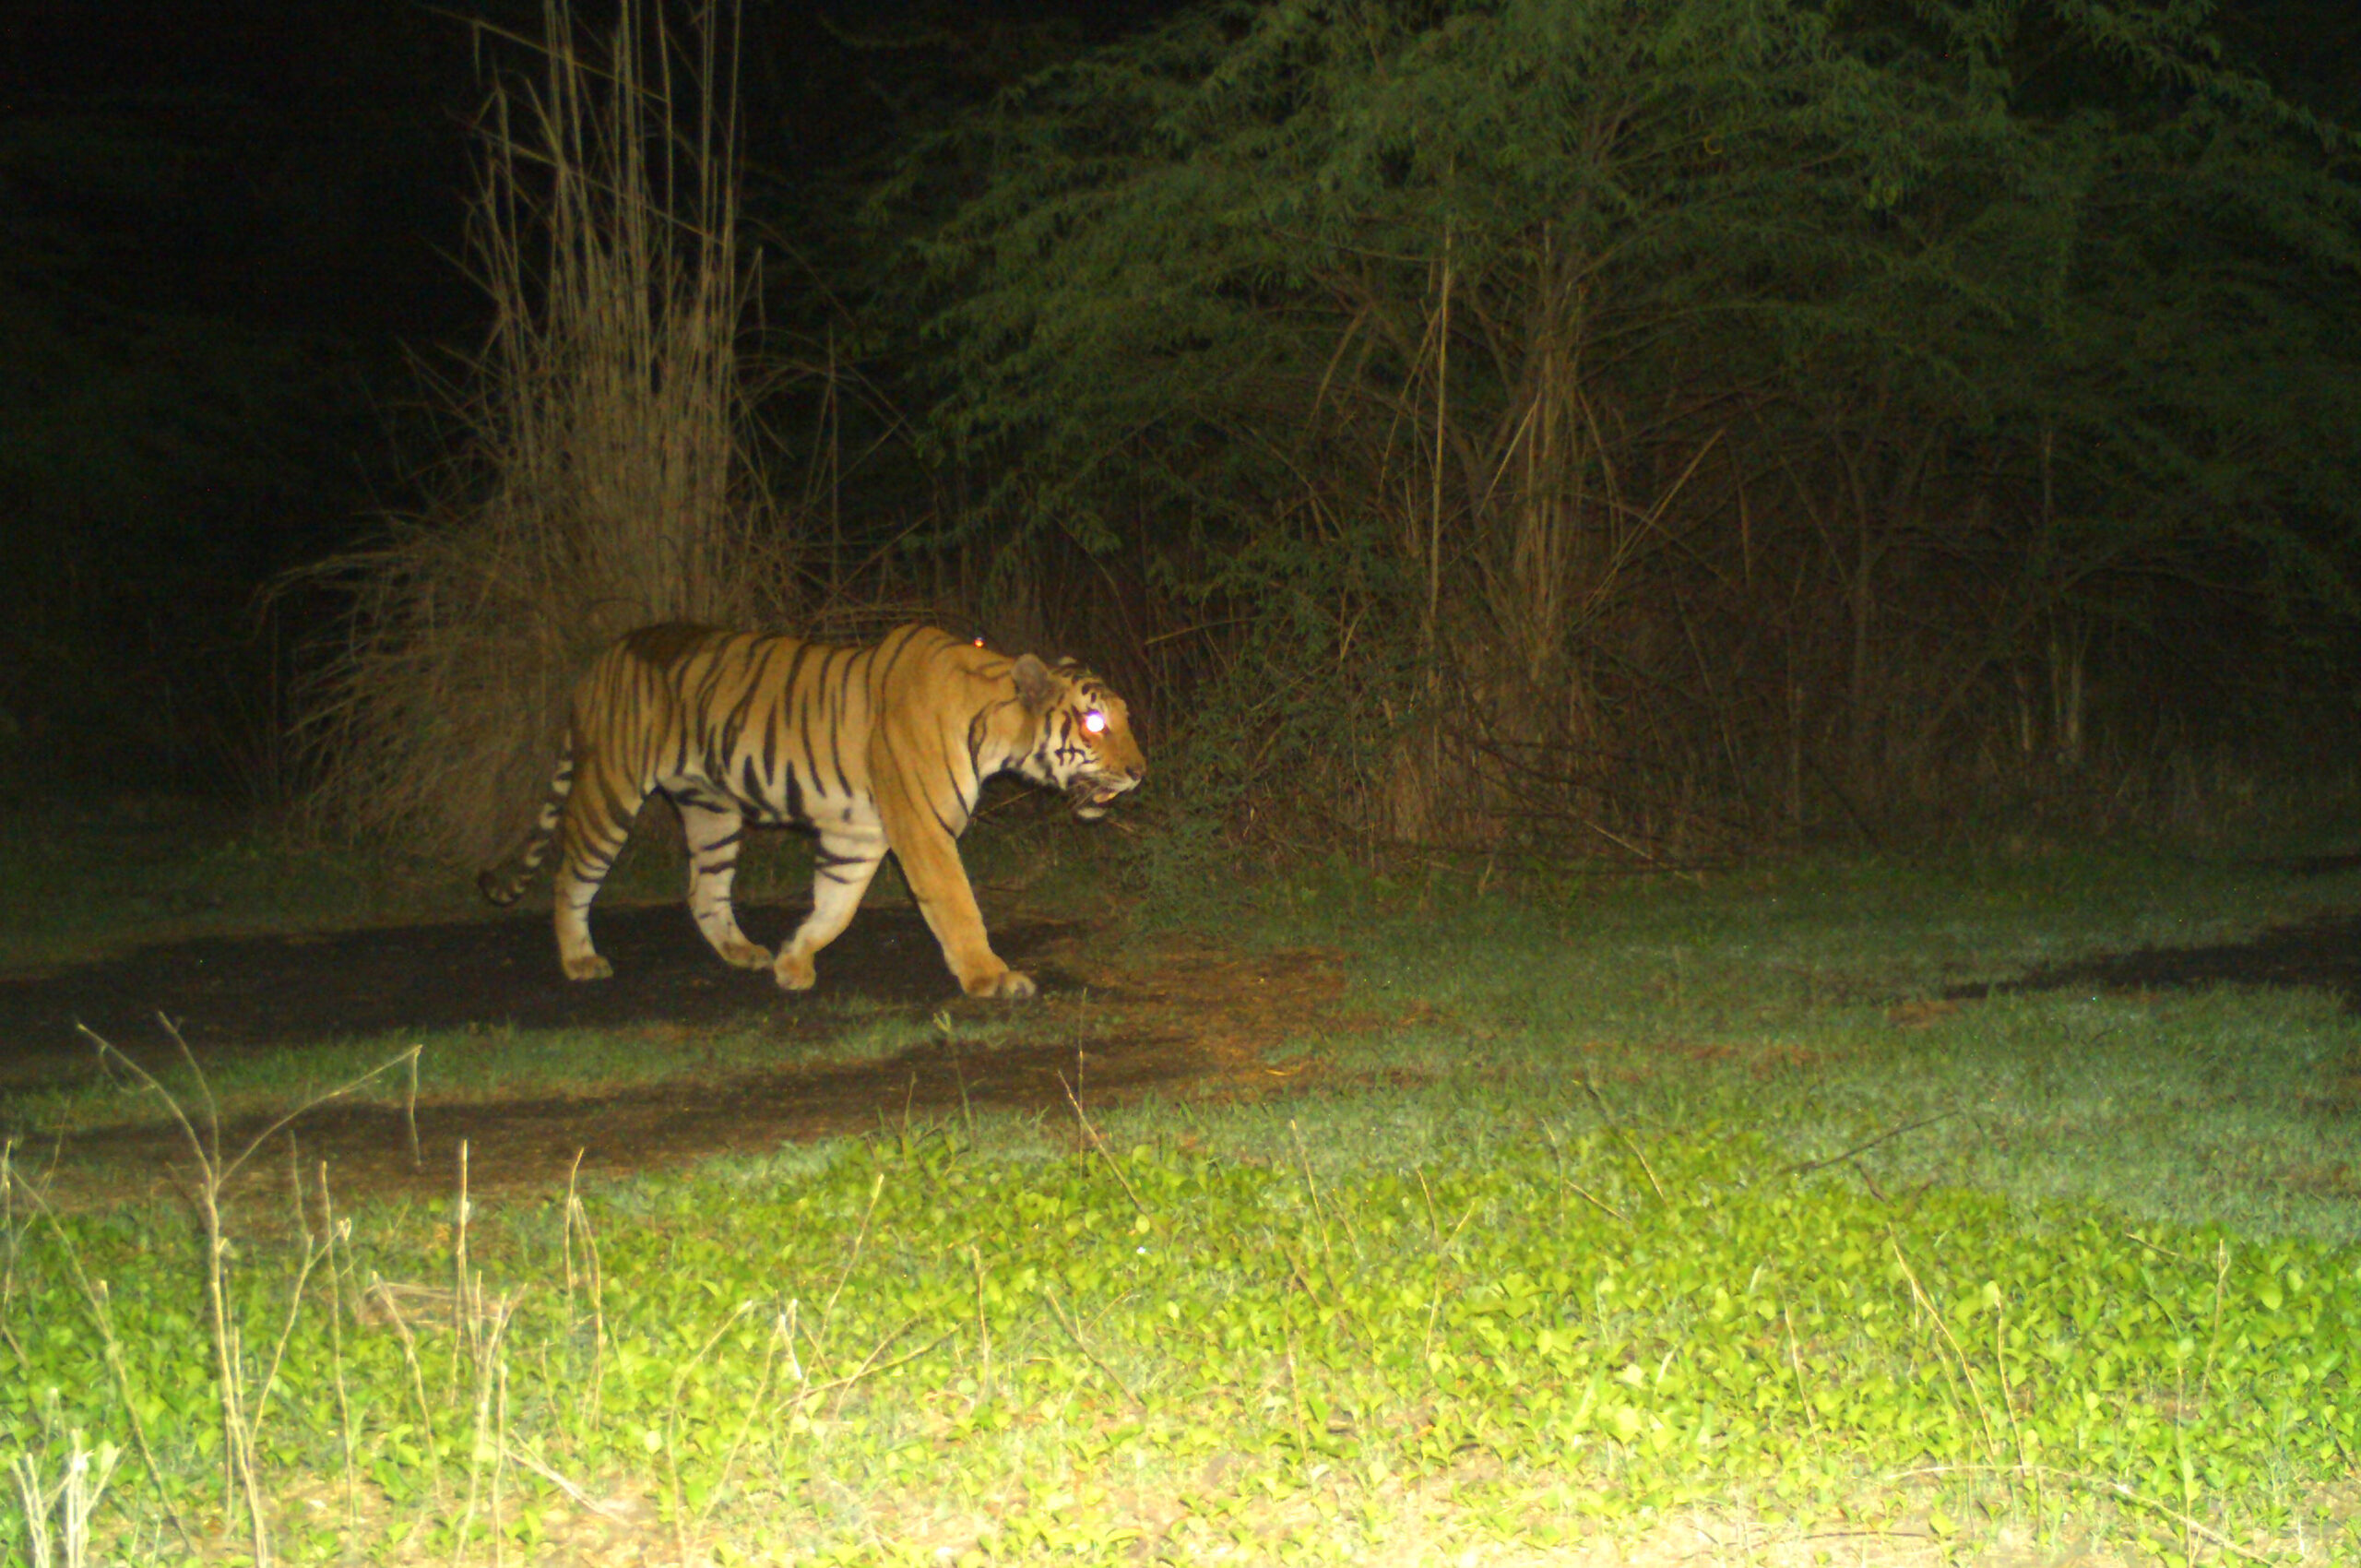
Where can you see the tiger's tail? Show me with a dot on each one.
(505, 884)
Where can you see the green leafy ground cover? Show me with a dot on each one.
(889, 1346)
(1652, 1220)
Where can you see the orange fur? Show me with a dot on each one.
(879, 748)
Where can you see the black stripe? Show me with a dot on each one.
(897, 644)
(795, 703)
(791, 796)
(835, 684)
(977, 730)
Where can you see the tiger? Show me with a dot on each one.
(873, 748)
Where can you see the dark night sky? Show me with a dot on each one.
(296, 170)
(229, 231)
(304, 161)
(297, 163)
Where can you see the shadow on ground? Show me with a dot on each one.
(1196, 1019)
(245, 994)
(537, 1145)
(2324, 951)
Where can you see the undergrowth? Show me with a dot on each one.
(923, 1347)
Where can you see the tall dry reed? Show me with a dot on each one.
(601, 478)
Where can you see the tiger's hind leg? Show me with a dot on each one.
(840, 873)
(597, 818)
(714, 833)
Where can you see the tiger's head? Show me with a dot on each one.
(1083, 743)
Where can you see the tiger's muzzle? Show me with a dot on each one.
(1090, 793)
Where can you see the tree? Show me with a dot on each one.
(1558, 415)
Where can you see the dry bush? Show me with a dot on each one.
(602, 478)
(1530, 521)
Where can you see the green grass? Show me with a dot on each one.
(1654, 1212)
(488, 1065)
(1794, 1003)
(888, 1347)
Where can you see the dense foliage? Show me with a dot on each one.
(1703, 417)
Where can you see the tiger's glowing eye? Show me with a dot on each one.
(1095, 721)
(979, 641)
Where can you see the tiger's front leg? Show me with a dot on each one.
(938, 880)
(840, 873)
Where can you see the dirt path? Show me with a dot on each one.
(1198, 1020)
(1194, 1018)
(244, 994)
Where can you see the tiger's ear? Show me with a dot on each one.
(1035, 688)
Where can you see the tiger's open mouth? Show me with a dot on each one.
(1090, 796)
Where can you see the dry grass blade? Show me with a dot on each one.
(1805, 1168)
(1100, 1145)
(1073, 1331)
(2106, 1484)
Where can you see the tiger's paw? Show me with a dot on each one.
(793, 970)
(589, 966)
(1009, 985)
(745, 955)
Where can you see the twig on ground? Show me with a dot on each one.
(1073, 1332)
(1616, 1126)
(1100, 1145)
(533, 1462)
(1567, 1181)
(1805, 1168)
